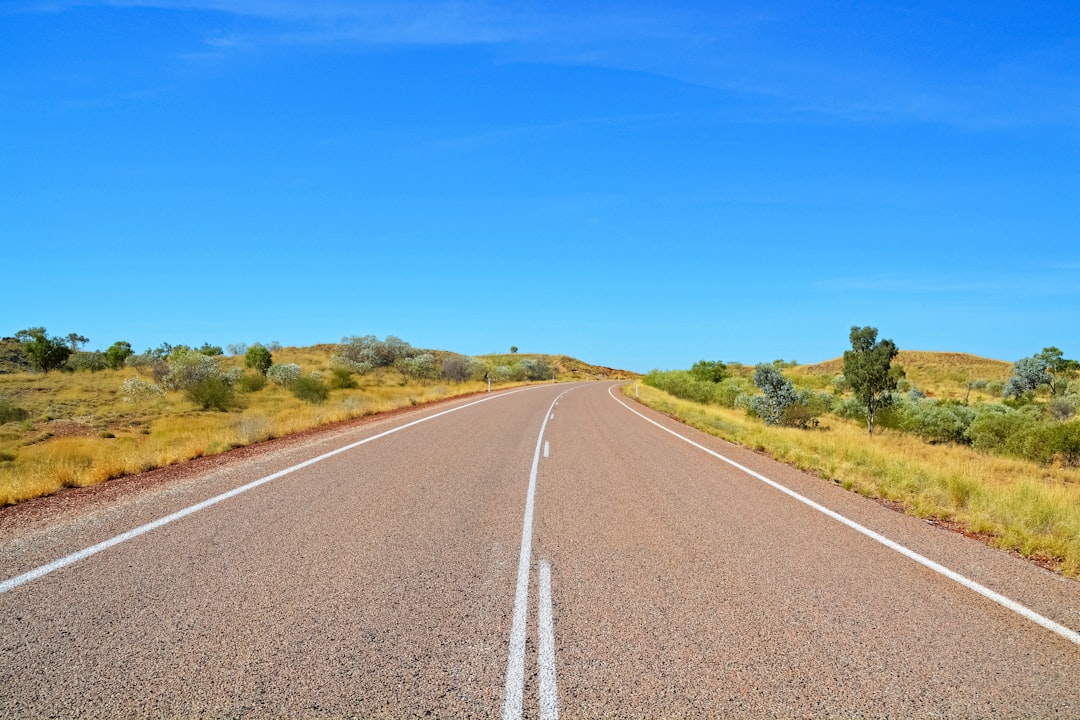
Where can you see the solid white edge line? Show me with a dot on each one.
(549, 691)
(1057, 628)
(75, 557)
(514, 692)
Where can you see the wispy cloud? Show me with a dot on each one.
(925, 65)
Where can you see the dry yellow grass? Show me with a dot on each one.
(1016, 505)
(53, 463)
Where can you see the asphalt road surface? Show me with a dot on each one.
(555, 551)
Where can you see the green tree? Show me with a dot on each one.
(43, 352)
(258, 357)
(868, 371)
(1060, 369)
(513, 349)
(75, 340)
(117, 353)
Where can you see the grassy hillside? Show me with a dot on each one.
(567, 368)
(944, 375)
(66, 429)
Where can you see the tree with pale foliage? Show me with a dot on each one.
(868, 371)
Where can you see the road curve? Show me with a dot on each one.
(541, 553)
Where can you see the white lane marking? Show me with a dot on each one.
(986, 592)
(547, 449)
(75, 557)
(549, 691)
(514, 694)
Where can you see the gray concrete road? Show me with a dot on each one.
(546, 552)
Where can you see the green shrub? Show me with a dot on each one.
(251, 382)
(310, 389)
(994, 426)
(1066, 442)
(937, 422)
(342, 379)
(212, 393)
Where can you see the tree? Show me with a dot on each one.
(1060, 369)
(258, 357)
(709, 370)
(779, 394)
(117, 353)
(1027, 376)
(513, 349)
(868, 371)
(43, 352)
(75, 340)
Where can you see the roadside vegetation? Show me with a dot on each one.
(71, 417)
(989, 447)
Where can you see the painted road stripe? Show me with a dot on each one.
(514, 693)
(549, 693)
(75, 557)
(547, 449)
(986, 592)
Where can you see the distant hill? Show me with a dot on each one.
(566, 367)
(938, 374)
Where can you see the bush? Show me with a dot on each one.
(212, 393)
(536, 369)
(1066, 442)
(342, 379)
(420, 367)
(310, 389)
(1062, 408)
(457, 368)
(284, 375)
(188, 368)
(994, 425)
(937, 422)
(92, 361)
(137, 390)
(251, 382)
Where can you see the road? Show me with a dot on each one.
(554, 551)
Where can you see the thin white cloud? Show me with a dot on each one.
(804, 61)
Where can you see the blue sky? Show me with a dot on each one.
(636, 184)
